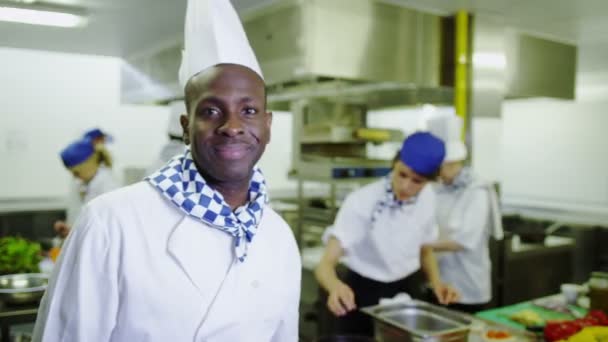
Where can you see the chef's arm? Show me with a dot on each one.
(445, 293)
(326, 270)
(81, 300)
(429, 266)
(445, 246)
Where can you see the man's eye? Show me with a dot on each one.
(250, 111)
(210, 111)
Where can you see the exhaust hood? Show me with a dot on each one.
(539, 67)
(300, 44)
(358, 40)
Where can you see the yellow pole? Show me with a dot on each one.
(462, 65)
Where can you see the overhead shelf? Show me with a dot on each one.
(373, 95)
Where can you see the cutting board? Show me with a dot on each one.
(501, 315)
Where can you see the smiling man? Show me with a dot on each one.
(193, 253)
(228, 127)
(381, 231)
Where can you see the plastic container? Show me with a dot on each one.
(570, 292)
(598, 291)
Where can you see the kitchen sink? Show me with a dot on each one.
(419, 321)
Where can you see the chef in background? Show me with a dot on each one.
(467, 215)
(90, 166)
(380, 232)
(99, 137)
(175, 133)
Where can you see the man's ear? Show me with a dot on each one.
(183, 119)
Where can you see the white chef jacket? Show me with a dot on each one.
(135, 268)
(80, 193)
(465, 216)
(387, 249)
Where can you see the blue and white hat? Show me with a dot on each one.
(95, 133)
(423, 153)
(77, 152)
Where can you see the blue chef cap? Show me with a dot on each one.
(77, 152)
(423, 153)
(95, 133)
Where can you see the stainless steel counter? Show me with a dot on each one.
(11, 205)
(30, 218)
(550, 242)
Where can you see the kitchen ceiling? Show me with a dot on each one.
(116, 28)
(130, 27)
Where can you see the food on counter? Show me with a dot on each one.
(590, 334)
(527, 317)
(553, 304)
(498, 335)
(19, 255)
(54, 253)
(556, 331)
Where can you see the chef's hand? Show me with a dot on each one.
(62, 228)
(341, 299)
(445, 293)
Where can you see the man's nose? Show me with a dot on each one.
(232, 125)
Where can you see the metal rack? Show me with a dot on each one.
(314, 218)
(330, 138)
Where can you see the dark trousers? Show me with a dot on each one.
(468, 308)
(369, 292)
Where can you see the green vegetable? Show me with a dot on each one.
(18, 255)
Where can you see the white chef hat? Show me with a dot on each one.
(449, 129)
(214, 35)
(176, 109)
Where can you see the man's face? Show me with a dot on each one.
(406, 183)
(449, 171)
(86, 170)
(227, 124)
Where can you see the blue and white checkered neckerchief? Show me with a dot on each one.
(461, 181)
(389, 200)
(180, 182)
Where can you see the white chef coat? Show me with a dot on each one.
(81, 193)
(465, 216)
(135, 268)
(387, 249)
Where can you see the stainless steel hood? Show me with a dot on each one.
(151, 77)
(359, 40)
(507, 64)
(298, 41)
(300, 44)
(538, 67)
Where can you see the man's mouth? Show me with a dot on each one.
(232, 151)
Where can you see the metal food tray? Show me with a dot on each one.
(419, 321)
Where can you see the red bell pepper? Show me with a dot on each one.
(555, 331)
